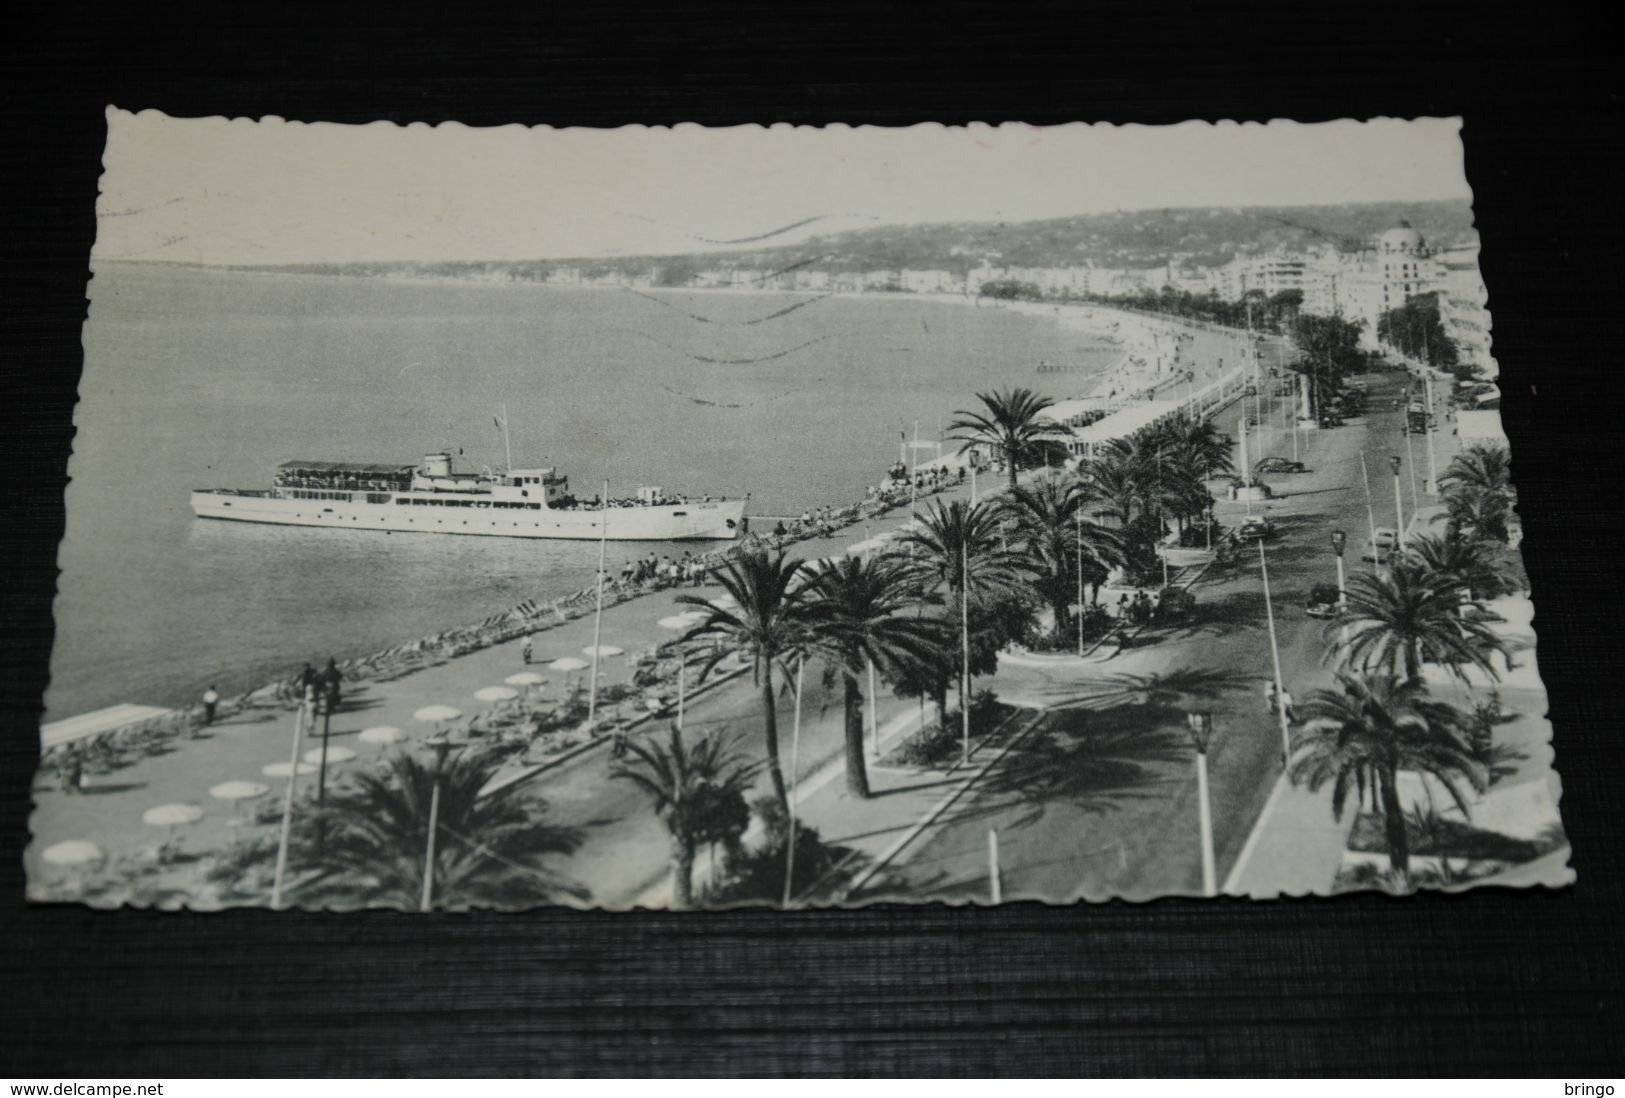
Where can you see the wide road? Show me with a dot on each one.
(1100, 799)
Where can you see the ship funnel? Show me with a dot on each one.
(435, 465)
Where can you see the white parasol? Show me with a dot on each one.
(285, 770)
(72, 852)
(384, 733)
(496, 693)
(436, 713)
(239, 791)
(602, 650)
(567, 665)
(525, 678)
(675, 621)
(334, 755)
(172, 815)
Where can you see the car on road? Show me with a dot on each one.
(1381, 545)
(1255, 528)
(1279, 465)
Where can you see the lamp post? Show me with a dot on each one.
(1078, 515)
(1433, 461)
(1201, 730)
(1370, 511)
(1399, 514)
(287, 811)
(1410, 459)
(598, 615)
(1340, 541)
(1275, 657)
(964, 645)
(795, 769)
(442, 748)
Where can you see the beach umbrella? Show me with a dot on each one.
(171, 816)
(437, 713)
(239, 791)
(236, 793)
(384, 733)
(334, 755)
(725, 602)
(525, 678)
(496, 693)
(602, 650)
(72, 852)
(675, 621)
(567, 664)
(285, 770)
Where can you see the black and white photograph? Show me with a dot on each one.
(788, 517)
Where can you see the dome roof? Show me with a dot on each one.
(1401, 238)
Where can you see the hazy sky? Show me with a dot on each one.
(239, 191)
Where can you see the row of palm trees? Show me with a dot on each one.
(1427, 607)
(966, 578)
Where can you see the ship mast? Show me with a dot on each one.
(507, 446)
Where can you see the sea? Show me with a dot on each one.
(199, 378)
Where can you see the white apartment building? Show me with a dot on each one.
(1463, 301)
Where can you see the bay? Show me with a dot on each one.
(198, 378)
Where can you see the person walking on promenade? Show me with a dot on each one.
(73, 770)
(1286, 705)
(210, 700)
(524, 649)
(305, 679)
(329, 681)
(310, 709)
(1269, 696)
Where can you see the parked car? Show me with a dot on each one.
(1279, 465)
(1381, 545)
(1255, 528)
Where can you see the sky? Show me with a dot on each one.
(214, 190)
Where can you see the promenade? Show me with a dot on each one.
(624, 857)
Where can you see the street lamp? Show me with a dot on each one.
(1399, 514)
(442, 747)
(1200, 726)
(1340, 542)
(1275, 657)
(1078, 515)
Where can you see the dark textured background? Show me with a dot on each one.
(1493, 982)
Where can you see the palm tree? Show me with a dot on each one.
(1360, 736)
(1208, 447)
(1478, 490)
(1113, 479)
(489, 850)
(1475, 566)
(1048, 514)
(1410, 616)
(857, 620)
(768, 621)
(1012, 424)
(957, 549)
(698, 793)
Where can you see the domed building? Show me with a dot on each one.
(1398, 267)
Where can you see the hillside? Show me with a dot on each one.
(1208, 236)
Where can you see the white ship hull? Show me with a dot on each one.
(425, 514)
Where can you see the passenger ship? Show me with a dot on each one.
(430, 498)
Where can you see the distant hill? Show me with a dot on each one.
(1198, 236)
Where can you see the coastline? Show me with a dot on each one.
(1130, 331)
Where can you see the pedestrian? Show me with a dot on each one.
(330, 678)
(210, 700)
(1269, 696)
(1286, 706)
(305, 678)
(73, 770)
(310, 708)
(524, 649)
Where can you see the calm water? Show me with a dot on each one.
(198, 379)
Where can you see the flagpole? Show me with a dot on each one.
(598, 617)
(507, 445)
